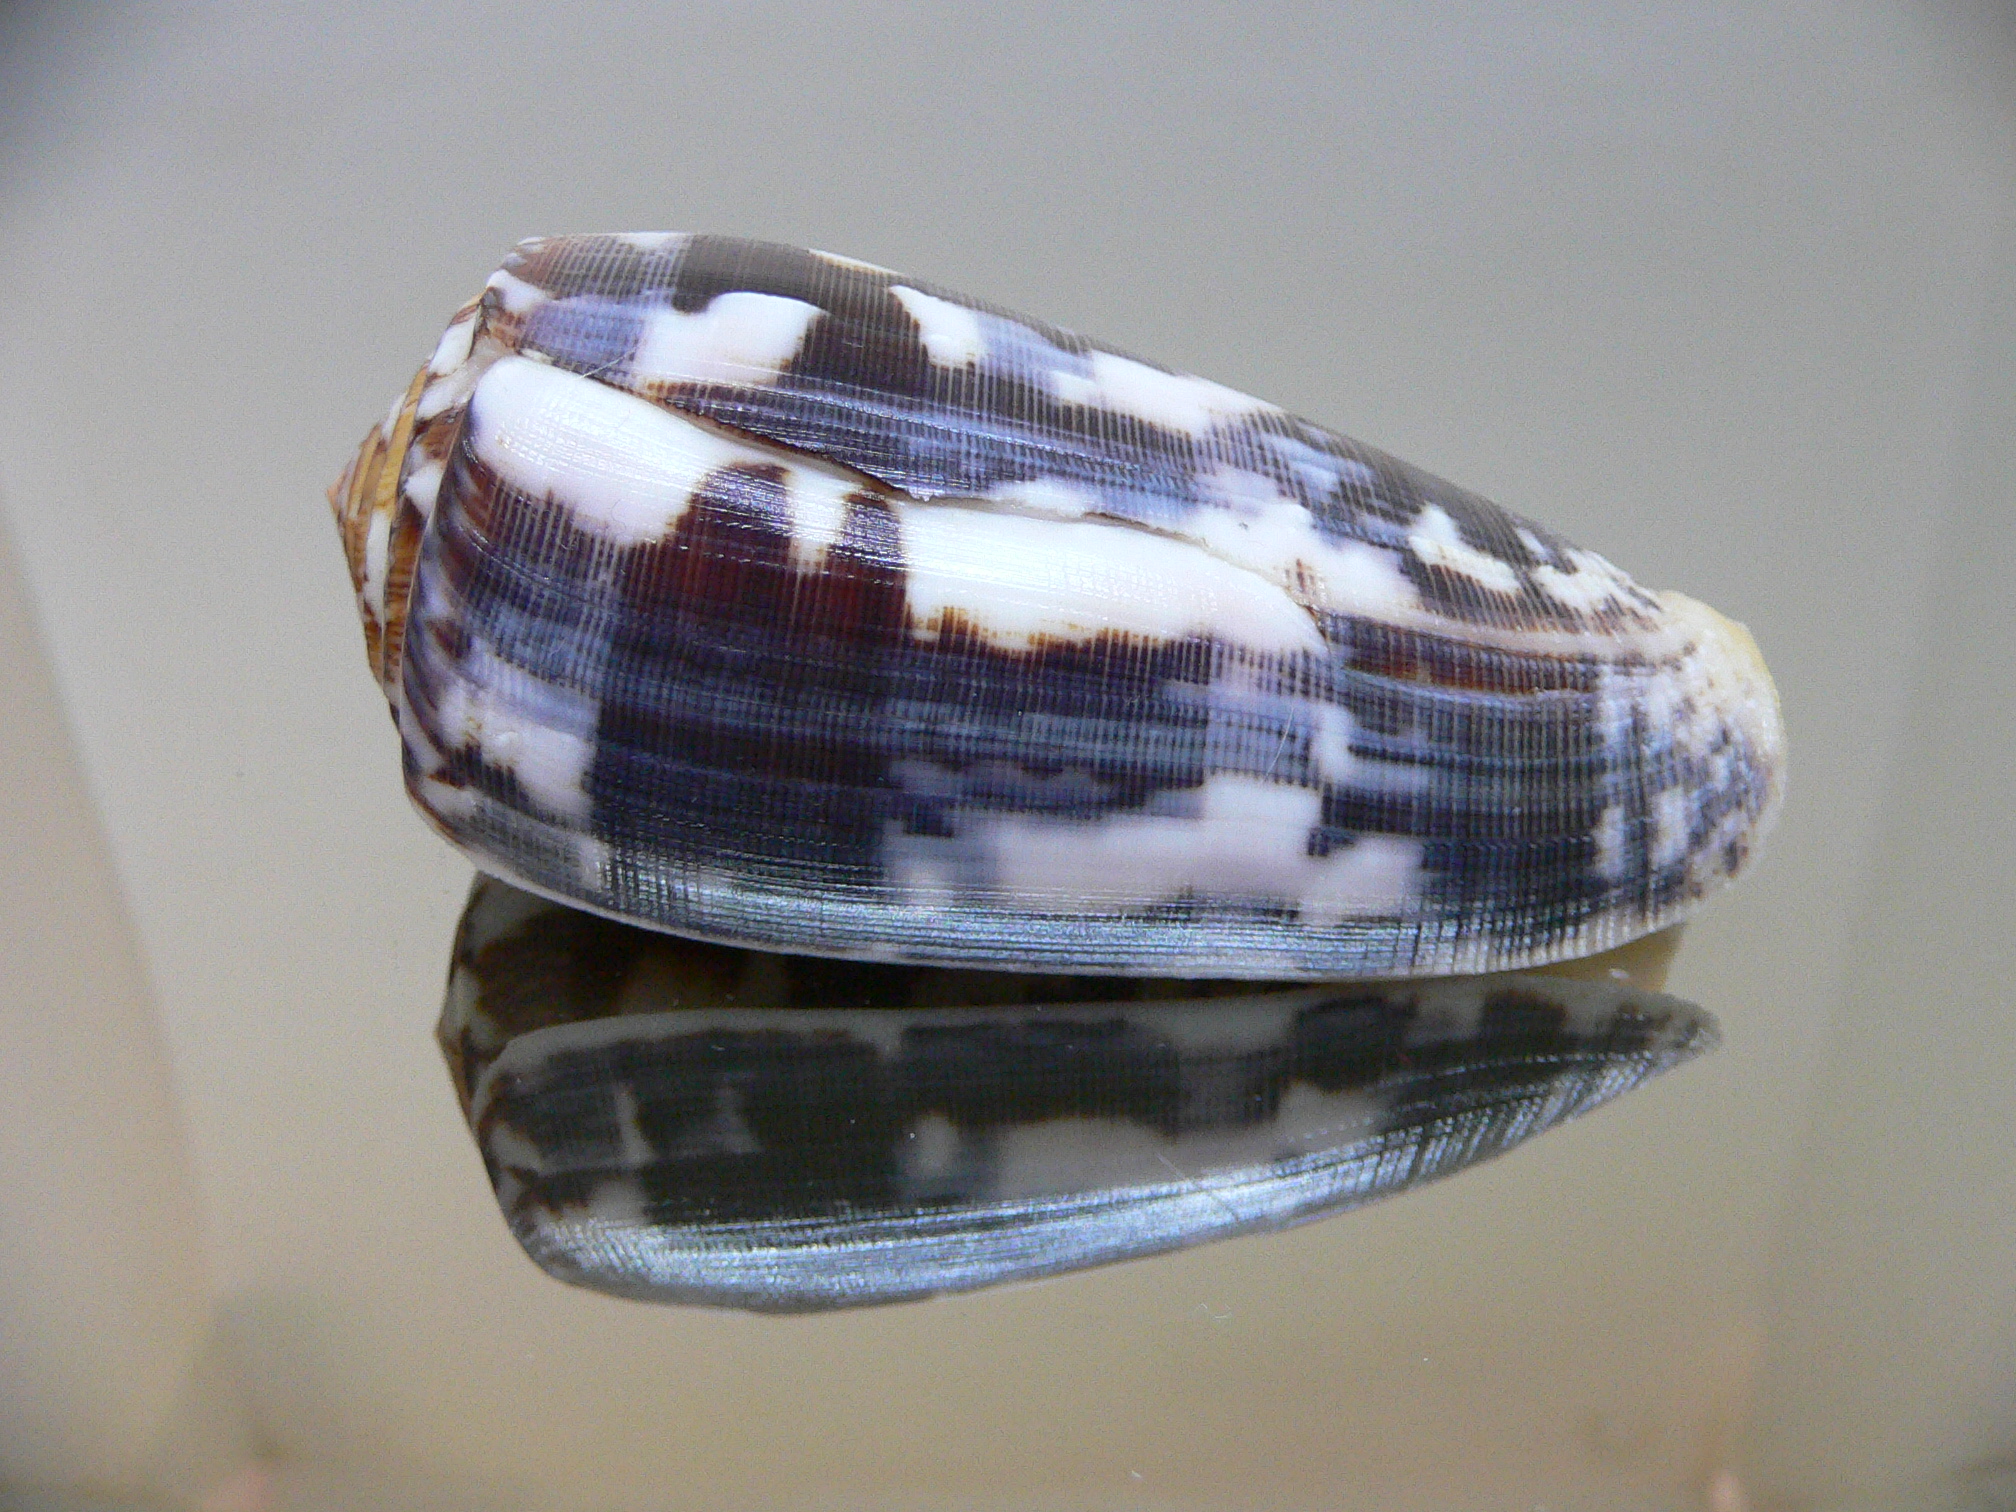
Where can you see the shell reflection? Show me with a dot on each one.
(685, 1122)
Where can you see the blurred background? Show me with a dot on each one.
(1726, 292)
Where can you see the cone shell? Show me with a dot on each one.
(683, 1122)
(774, 598)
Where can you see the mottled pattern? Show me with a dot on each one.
(774, 598)
(682, 1122)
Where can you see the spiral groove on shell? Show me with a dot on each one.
(770, 597)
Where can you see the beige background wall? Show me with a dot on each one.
(1723, 291)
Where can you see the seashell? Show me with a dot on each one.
(678, 1121)
(776, 599)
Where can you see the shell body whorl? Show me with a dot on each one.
(765, 596)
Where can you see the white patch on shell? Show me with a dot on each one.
(740, 337)
(626, 469)
(1671, 811)
(1053, 498)
(1173, 400)
(1609, 842)
(623, 468)
(591, 863)
(1591, 587)
(1436, 540)
(1233, 838)
(423, 486)
(447, 391)
(725, 1131)
(508, 1145)
(453, 348)
(1060, 1156)
(614, 1202)
(1261, 529)
(1018, 580)
(637, 1151)
(377, 562)
(448, 802)
(516, 295)
(1330, 743)
(951, 333)
(931, 1150)
(540, 732)
(652, 241)
(818, 505)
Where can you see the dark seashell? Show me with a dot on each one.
(768, 597)
(678, 1121)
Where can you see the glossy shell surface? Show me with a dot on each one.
(683, 1122)
(770, 597)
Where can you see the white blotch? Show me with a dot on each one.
(1017, 580)
(1308, 1119)
(1609, 839)
(377, 554)
(652, 241)
(1330, 744)
(614, 1202)
(1246, 493)
(637, 1152)
(542, 733)
(1278, 540)
(1227, 1026)
(453, 349)
(1240, 839)
(423, 486)
(1052, 498)
(1436, 540)
(625, 469)
(516, 295)
(454, 806)
(818, 504)
(725, 1131)
(508, 1145)
(932, 1149)
(951, 332)
(1593, 584)
(447, 391)
(740, 337)
(1340, 766)
(1535, 547)
(1174, 400)
(1057, 1157)
(1671, 811)
(591, 863)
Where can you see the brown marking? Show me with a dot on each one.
(1446, 661)
(369, 485)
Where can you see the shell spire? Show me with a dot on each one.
(771, 597)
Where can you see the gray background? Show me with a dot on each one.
(1725, 292)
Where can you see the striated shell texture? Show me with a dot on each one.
(770, 597)
(684, 1122)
